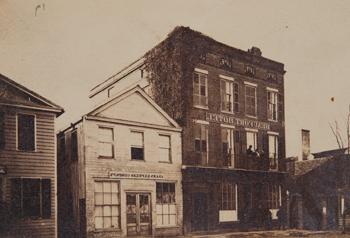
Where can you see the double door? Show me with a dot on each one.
(138, 213)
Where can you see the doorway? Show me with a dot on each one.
(199, 212)
(138, 214)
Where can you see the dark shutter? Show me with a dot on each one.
(31, 197)
(2, 130)
(280, 100)
(26, 133)
(74, 145)
(46, 198)
(16, 197)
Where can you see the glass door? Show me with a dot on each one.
(138, 209)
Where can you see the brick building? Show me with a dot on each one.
(27, 162)
(230, 104)
(119, 171)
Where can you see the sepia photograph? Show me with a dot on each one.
(187, 118)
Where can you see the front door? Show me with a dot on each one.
(199, 212)
(138, 213)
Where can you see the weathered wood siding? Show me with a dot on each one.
(37, 164)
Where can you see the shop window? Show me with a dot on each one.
(228, 205)
(252, 141)
(165, 204)
(26, 132)
(105, 142)
(137, 147)
(272, 105)
(2, 130)
(107, 205)
(201, 142)
(164, 148)
(31, 198)
(226, 91)
(74, 145)
(274, 199)
(227, 138)
(273, 151)
(250, 100)
(200, 89)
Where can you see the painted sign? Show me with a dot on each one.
(133, 175)
(219, 118)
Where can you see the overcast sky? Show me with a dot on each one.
(62, 48)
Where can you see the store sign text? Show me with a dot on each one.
(132, 175)
(213, 117)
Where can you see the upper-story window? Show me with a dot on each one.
(203, 58)
(225, 62)
(252, 141)
(249, 70)
(272, 104)
(250, 100)
(106, 142)
(164, 148)
(229, 96)
(26, 132)
(201, 142)
(137, 145)
(273, 151)
(2, 130)
(227, 138)
(200, 89)
(271, 76)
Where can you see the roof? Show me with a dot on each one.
(46, 104)
(327, 153)
(306, 166)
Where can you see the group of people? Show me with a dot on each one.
(255, 152)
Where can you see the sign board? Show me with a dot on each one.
(133, 175)
(219, 118)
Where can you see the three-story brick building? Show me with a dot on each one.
(230, 104)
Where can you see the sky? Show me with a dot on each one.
(62, 48)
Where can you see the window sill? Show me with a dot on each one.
(228, 112)
(229, 222)
(165, 162)
(201, 107)
(138, 160)
(271, 120)
(166, 226)
(105, 157)
(251, 116)
(107, 230)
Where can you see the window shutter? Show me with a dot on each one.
(280, 107)
(46, 198)
(16, 197)
(2, 130)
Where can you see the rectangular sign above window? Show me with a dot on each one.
(133, 175)
(219, 118)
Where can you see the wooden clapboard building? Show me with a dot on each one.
(27, 162)
(119, 171)
(230, 104)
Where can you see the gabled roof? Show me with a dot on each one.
(33, 100)
(306, 166)
(128, 93)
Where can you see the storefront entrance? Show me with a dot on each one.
(138, 213)
(199, 212)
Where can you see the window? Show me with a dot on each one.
(26, 132)
(137, 148)
(273, 151)
(226, 95)
(252, 140)
(250, 100)
(200, 89)
(2, 130)
(31, 197)
(274, 196)
(105, 142)
(107, 204)
(235, 97)
(249, 70)
(271, 76)
(74, 145)
(201, 142)
(225, 63)
(227, 138)
(228, 205)
(165, 204)
(272, 105)
(164, 148)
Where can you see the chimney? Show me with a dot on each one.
(305, 143)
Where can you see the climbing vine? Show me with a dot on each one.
(170, 66)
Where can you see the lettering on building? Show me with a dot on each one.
(132, 175)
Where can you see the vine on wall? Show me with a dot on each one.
(170, 66)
